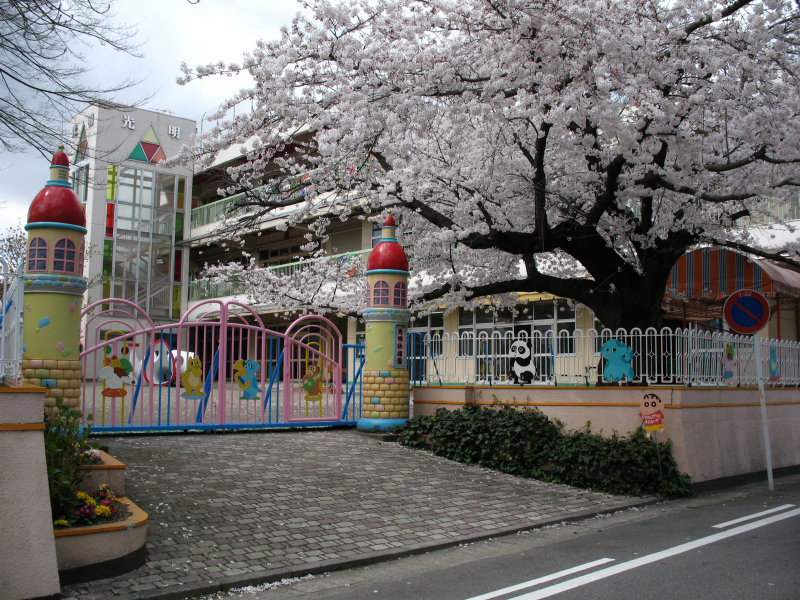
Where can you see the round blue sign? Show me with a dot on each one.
(746, 311)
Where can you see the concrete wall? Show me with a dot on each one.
(716, 432)
(28, 567)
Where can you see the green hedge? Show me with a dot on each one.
(528, 444)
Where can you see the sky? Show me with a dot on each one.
(170, 32)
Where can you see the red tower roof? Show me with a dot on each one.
(57, 202)
(388, 254)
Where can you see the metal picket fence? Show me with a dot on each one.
(686, 357)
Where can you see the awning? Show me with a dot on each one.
(715, 273)
(702, 279)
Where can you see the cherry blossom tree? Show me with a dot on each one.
(576, 147)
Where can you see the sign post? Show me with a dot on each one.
(747, 311)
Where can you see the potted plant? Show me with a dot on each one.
(98, 534)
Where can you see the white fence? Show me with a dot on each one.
(11, 322)
(688, 357)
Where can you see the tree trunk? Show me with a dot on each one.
(635, 302)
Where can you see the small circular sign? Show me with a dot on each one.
(746, 311)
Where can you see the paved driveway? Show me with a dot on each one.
(238, 509)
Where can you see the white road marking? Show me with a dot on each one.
(651, 558)
(753, 516)
(545, 579)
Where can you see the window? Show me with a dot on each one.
(37, 255)
(141, 228)
(540, 321)
(361, 332)
(427, 335)
(64, 256)
(110, 208)
(380, 294)
(80, 182)
(377, 231)
(400, 294)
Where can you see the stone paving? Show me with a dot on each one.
(229, 510)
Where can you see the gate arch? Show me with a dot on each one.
(312, 358)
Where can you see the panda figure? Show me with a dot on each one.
(522, 368)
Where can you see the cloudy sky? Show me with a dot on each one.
(170, 32)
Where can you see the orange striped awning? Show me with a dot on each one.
(715, 273)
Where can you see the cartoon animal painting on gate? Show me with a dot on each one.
(193, 379)
(244, 373)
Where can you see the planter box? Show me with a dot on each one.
(105, 550)
(111, 472)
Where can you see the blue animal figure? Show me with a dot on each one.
(774, 371)
(244, 373)
(618, 361)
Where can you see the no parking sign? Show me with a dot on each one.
(746, 311)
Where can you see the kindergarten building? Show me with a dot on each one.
(150, 228)
(153, 227)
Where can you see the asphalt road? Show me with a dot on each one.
(738, 543)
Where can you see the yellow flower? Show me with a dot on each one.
(102, 511)
(83, 496)
(61, 523)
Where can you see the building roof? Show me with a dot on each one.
(388, 254)
(57, 202)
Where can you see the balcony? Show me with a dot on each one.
(213, 212)
(203, 290)
(209, 214)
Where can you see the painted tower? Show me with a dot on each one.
(54, 285)
(385, 402)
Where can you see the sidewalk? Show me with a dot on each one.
(230, 510)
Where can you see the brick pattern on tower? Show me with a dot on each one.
(385, 394)
(62, 378)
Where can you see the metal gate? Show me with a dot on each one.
(219, 367)
(312, 362)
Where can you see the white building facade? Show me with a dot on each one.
(137, 207)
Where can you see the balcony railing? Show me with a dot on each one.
(213, 212)
(204, 290)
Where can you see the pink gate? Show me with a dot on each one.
(218, 367)
(312, 361)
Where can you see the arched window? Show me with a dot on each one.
(399, 294)
(37, 255)
(64, 256)
(81, 252)
(380, 294)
